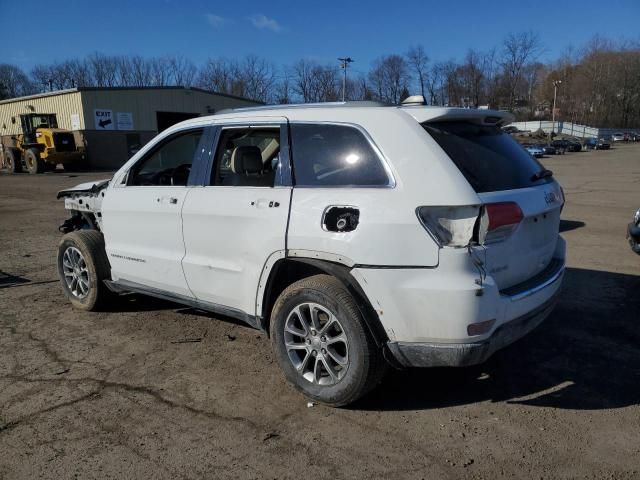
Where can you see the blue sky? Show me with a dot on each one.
(286, 31)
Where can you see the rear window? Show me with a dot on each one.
(488, 158)
(334, 155)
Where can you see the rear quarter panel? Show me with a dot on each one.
(389, 232)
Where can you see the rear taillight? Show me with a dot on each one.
(450, 226)
(498, 221)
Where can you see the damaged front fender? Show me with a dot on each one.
(84, 202)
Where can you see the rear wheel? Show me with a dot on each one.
(34, 163)
(12, 160)
(82, 267)
(322, 343)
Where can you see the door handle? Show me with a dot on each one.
(263, 203)
(171, 200)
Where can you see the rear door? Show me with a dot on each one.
(141, 216)
(238, 217)
(500, 171)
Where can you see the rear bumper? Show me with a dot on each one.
(427, 313)
(466, 354)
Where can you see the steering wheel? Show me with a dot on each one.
(180, 174)
(163, 177)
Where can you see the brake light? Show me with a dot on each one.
(450, 226)
(498, 221)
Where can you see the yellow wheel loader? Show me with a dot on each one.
(41, 146)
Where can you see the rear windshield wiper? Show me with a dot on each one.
(541, 174)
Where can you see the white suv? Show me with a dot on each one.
(356, 235)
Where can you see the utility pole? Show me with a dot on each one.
(344, 63)
(553, 111)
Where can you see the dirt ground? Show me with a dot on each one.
(154, 390)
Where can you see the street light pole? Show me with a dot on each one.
(553, 111)
(344, 63)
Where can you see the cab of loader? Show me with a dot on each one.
(31, 122)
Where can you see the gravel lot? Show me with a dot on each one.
(154, 390)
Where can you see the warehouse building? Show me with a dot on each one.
(112, 123)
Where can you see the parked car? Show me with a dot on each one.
(567, 145)
(575, 145)
(413, 235)
(593, 143)
(534, 150)
(590, 143)
(633, 233)
(560, 147)
(510, 129)
(617, 137)
(551, 150)
(604, 143)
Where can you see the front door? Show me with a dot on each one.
(142, 216)
(238, 219)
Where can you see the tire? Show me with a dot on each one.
(32, 160)
(12, 160)
(635, 246)
(338, 317)
(85, 250)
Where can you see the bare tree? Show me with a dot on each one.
(159, 71)
(418, 62)
(217, 74)
(255, 79)
(434, 84)
(389, 78)
(303, 80)
(517, 51)
(105, 70)
(283, 88)
(315, 83)
(182, 71)
(472, 77)
(40, 76)
(14, 82)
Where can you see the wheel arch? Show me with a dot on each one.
(287, 270)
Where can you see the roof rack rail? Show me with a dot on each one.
(358, 103)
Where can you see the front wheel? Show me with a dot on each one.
(34, 163)
(82, 267)
(322, 343)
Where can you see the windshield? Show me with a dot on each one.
(488, 158)
(44, 121)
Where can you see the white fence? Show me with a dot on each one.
(566, 128)
(569, 128)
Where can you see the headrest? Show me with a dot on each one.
(246, 160)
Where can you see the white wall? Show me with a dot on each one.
(569, 128)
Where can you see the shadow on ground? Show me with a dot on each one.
(568, 225)
(586, 355)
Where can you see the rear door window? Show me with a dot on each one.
(335, 156)
(247, 156)
(488, 158)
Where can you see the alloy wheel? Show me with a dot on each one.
(316, 344)
(76, 274)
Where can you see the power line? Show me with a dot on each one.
(344, 63)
